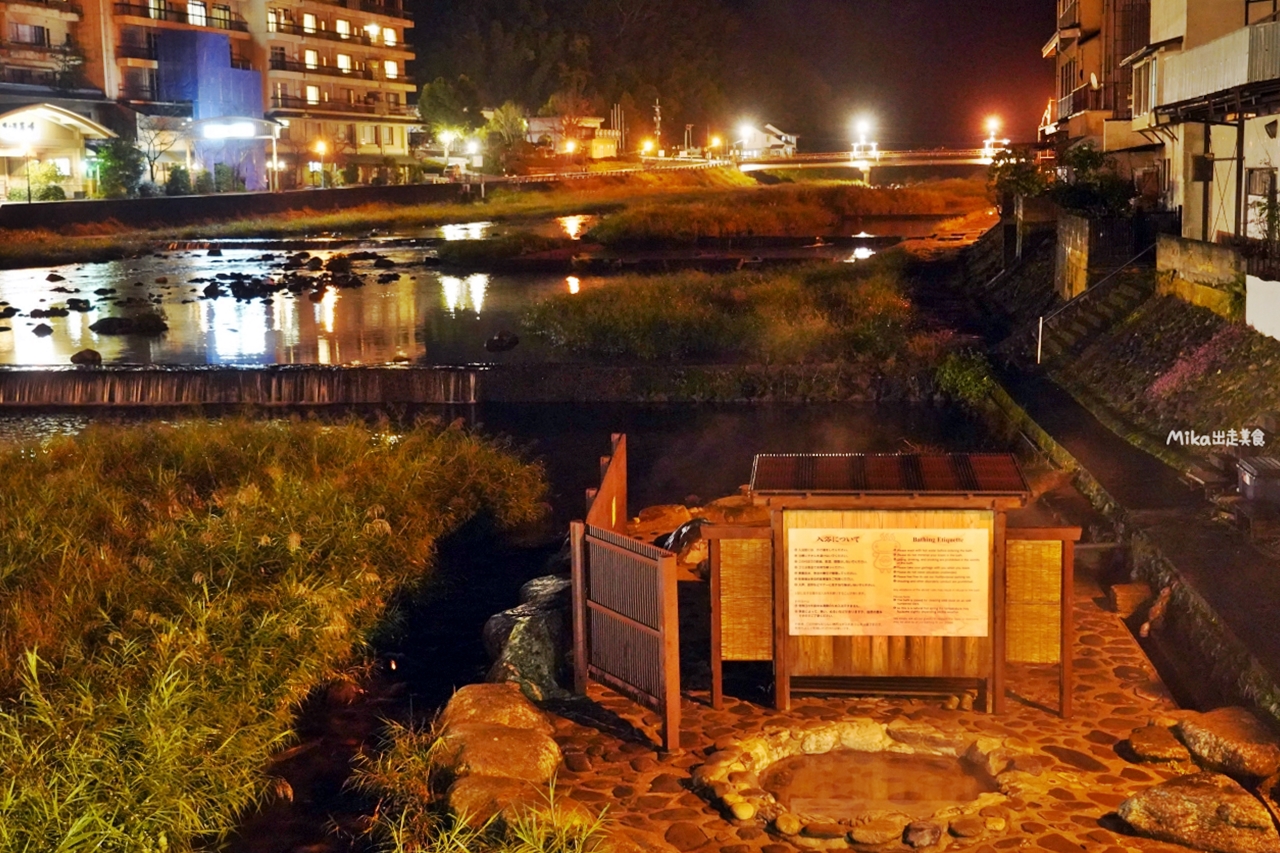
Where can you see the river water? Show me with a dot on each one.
(417, 313)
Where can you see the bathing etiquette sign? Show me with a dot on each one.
(888, 582)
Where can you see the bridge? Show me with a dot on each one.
(883, 159)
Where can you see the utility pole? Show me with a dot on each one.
(688, 136)
(657, 125)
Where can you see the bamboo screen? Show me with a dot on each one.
(897, 657)
(746, 599)
(1033, 601)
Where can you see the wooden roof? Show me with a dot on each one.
(977, 474)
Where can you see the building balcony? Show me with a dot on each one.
(294, 65)
(1087, 99)
(31, 77)
(1247, 55)
(1068, 14)
(295, 103)
(138, 92)
(176, 15)
(385, 9)
(62, 6)
(293, 28)
(136, 51)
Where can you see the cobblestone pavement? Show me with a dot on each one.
(648, 797)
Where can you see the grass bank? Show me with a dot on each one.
(806, 315)
(1174, 366)
(169, 594)
(795, 210)
(108, 240)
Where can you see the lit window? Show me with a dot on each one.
(344, 63)
(155, 9)
(342, 28)
(366, 134)
(391, 68)
(372, 29)
(313, 94)
(311, 58)
(274, 17)
(196, 13)
(308, 22)
(389, 37)
(222, 16)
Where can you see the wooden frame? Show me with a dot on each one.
(714, 536)
(607, 505)
(1068, 536)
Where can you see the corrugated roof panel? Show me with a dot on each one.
(902, 473)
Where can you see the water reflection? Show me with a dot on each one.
(455, 297)
(575, 284)
(573, 226)
(404, 317)
(465, 231)
(861, 253)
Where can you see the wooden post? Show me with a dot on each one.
(996, 699)
(577, 545)
(1068, 627)
(670, 653)
(717, 664)
(781, 621)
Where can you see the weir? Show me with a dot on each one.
(274, 385)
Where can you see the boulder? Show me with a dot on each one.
(498, 627)
(928, 738)
(143, 324)
(657, 521)
(87, 356)
(1232, 741)
(477, 799)
(533, 656)
(736, 509)
(880, 828)
(1156, 743)
(43, 330)
(1205, 811)
(502, 704)
(489, 749)
(547, 590)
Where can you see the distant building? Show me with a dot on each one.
(757, 143)
(587, 135)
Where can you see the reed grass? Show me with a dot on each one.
(406, 783)
(796, 210)
(811, 314)
(170, 593)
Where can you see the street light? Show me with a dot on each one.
(863, 149)
(991, 145)
(26, 153)
(646, 147)
(321, 148)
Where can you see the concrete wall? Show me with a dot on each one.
(1200, 273)
(180, 210)
(1262, 305)
(1071, 266)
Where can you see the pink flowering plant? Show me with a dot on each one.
(1209, 356)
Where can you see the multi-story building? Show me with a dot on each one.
(335, 76)
(1207, 94)
(1089, 46)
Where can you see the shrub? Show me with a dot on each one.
(203, 182)
(170, 593)
(965, 376)
(120, 168)
(226, 179)
(178, 182)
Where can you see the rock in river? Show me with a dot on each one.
(1231, 741)
(143, 324)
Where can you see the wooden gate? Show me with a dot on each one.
(625, 606)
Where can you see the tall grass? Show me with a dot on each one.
(820, 313)
(169, 594)
(800, 210)
(405, 781)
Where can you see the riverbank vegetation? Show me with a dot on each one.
(170, 593)
(787, 210)
(812, 314)
(1175, 366)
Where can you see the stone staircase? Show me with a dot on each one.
(1070, 328)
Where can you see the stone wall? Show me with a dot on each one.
(1203, 274)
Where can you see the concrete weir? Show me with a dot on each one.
(274, 385)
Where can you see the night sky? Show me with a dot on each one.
(930, 71)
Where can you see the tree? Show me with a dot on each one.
(509, 124)
(157, 136)
(179, 182)
(120, 169)
(570, 105)
(449, 106)
(1090, 184)
(1014, 172)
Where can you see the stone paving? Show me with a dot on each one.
(648, 796)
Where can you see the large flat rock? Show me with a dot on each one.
(488, 749)
(1231, 741)
(501, 703)
(1205, 811)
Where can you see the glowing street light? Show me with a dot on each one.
(570, 146)
(991, 145)
(446, 138)
(473, 147)
(646, 147)
(321, 149)
(864, 149)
